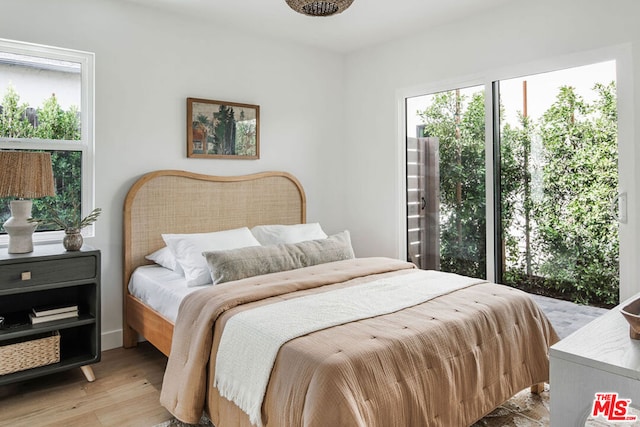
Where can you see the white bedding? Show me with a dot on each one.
(160, 288)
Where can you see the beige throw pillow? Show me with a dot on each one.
(236, 264)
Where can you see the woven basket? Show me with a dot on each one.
(29, 354)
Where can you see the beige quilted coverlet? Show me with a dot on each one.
(446, 362)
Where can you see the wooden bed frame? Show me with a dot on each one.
(173, 201)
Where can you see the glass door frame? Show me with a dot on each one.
(629, 156)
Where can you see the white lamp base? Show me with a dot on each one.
(19, 229)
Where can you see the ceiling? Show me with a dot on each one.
(365, 23)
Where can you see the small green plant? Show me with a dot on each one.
(74, 222)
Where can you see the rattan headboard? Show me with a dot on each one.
(170, 201)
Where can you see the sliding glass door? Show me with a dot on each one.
(555, 183)
(559, 184)
(446, 222)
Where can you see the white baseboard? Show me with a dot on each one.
(111, 339)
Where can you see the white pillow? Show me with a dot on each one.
(276, 234)
(188, 249)
(165, 258)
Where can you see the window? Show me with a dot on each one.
(46, 104)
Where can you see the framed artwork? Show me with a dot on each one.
(222, 130)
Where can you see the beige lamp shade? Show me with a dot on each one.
(26, 174)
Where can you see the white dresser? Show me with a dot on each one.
(598, 358)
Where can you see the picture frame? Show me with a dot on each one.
(222, 129)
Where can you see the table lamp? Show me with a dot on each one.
(25, 175)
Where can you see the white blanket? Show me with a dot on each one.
(251, 339)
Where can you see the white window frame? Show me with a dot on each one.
(87, 137)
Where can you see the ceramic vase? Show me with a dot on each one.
(72, 240)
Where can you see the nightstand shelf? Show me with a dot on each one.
(51, 276)
(77, 361)
(54, 325)
(42, 287)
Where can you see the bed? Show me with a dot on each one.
(445, 360)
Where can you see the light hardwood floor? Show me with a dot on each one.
(125, 393)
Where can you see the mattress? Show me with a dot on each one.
(160, 288)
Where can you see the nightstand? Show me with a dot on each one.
(48, 277)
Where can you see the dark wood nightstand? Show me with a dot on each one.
(50, 276)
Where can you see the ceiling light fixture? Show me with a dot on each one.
(319, 8)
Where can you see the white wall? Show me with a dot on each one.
(147, 64)
(518, 37)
